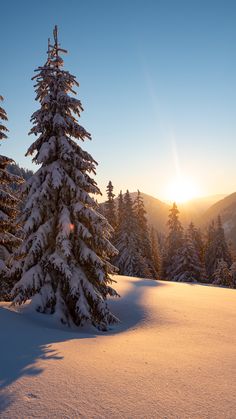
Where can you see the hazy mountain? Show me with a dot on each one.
(193, 210)
(157, 210)
(226, 208)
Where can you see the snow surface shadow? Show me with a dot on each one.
(148, 283)
(26, 338)
(129, 309)
(24, 341)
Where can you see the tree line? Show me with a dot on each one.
(182, 255)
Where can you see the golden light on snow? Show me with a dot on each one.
(182, 189)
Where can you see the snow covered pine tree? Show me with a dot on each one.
(187, 267)
(173, 245)
(110, 206)
(126, 237)
(156, 257)
(64, 264)
(8, 211)
(216, 249)
(222, 274)
(145, 263)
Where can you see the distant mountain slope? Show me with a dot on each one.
(226, 208)
(194, 209)
(157, 210)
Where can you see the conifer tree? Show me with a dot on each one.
(146, 266)
(110, 206)
(120, 213)
(210, 251)
(187, 266)
(216, 249)
(221, 246)
(196, 237)
(233, 274)
(8, 212)
(126, 239)
(63, 263)
(156, 257)
(174, 243)
(222, 274)
(3, 118)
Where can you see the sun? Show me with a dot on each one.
(181, 190)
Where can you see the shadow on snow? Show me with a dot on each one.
(25, 339)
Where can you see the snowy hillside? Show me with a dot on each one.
(172, 356)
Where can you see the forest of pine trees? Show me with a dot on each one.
(9, 204)
(58, 247)
(184, 255)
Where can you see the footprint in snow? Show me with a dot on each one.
(30, 396)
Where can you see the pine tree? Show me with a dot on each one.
(3, 117)
(187, 266)
(174, 243)
(110, 206)
(233, 274)
(126, 238)
(156, 257)
(63, 263)
(8, 212)
(210, 251)
(196, 236)
(120, 214)
(222, 274)
(118, 235)
(146, 267)
(221, 246)
(216, 249)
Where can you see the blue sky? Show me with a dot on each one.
(157, 82)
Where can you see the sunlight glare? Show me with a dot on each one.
(182, 190)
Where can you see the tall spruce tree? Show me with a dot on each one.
(222, 249)
(187, 266)
(8, 212)
(126, 239)
(210, 251)
(233, 274)
(216, 249)
(110, 206)
(63, 263)
(196, 236)
(174, 242)
(146, 266)
(222, 274)
(120, 212)
(156, 256)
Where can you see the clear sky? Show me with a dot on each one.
(157, 82)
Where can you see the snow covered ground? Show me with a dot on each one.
(172, 356)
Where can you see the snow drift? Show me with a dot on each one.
(172, 356)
